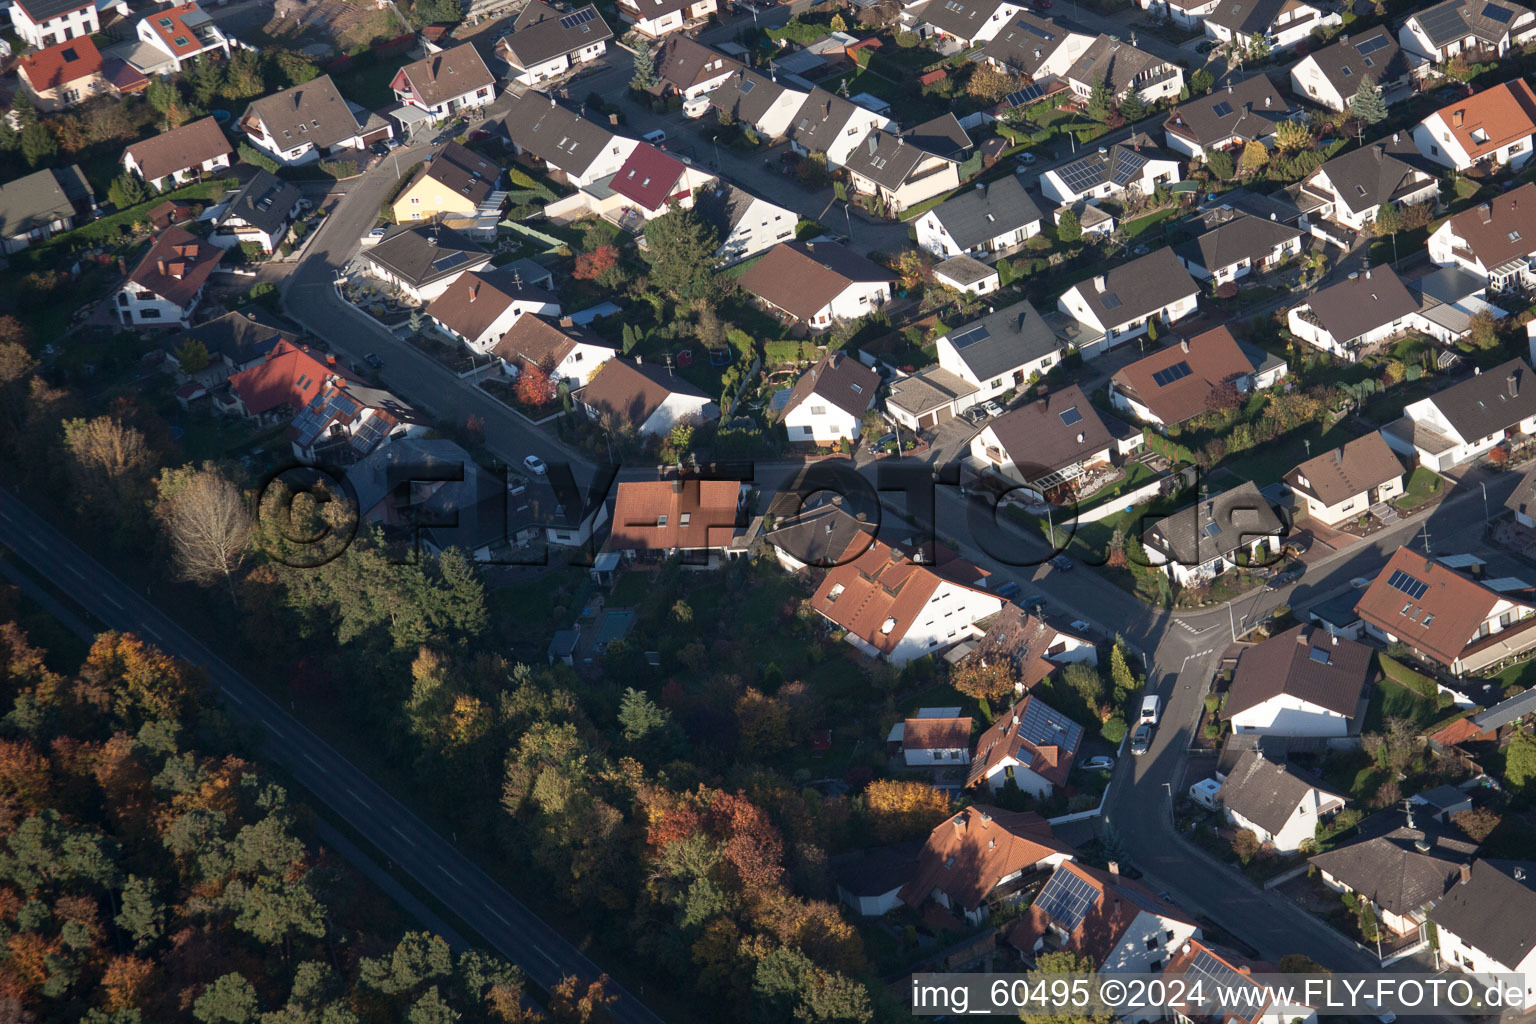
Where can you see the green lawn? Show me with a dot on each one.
(1393, 700)
(367, 82)
(1133, 228)
(1266, 463)
(1422, 485)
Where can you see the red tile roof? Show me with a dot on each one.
(177, 266)
(1116, 903)
(290, 375)
(649, 177)
(936, 734)
(61, 64)
(1443, 621)
(173, 31)
(1211, 358)
(683, 514)
(968, 855)
(1502, 113)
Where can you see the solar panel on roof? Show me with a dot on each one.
(1070, 416)
(1370, 45)
(1222, 109)
(1410, 585)
(970, 337)
(1494, 12)
(1083, 175)
(1026, 95)
(1065, 899)
(1036, 30)
(581, 17)
(1042, 724)
(1127, 165)
(1442, 23)
(1110, 300)
(450, 260)
(1178, 371)
(369, 433)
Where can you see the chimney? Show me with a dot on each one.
(160, 266)
(1184, 344)
(1114, 867)
(1485, 213)
(1466, 873)
(474, 291)
(677, 485)
(330, 360)
(1514, 384)
(566, 321)
(1458, 116)
(1338, 455)
(1098, 284)
(1381, 150)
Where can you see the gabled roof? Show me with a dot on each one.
(1119, 164)
(542, 33)
(40, 198)
(886, 158)
(541, 341)
(1022, 639)
(747, 95)
(1175, 382)
(1115, 64)
(820, 536)
(682, 62)
(1032, 733)
(265, 202)
(462, 171)
(290, 375)
(1487, 121)
(1489, 402)
(966, 856)
(1374, 54)
(1246, 110)
(653, 9)
(961, 18)
(1305, 662)
(1134, 290)
(314, 112)
(177, 28)
(1492, 910)
(1243, 237)
(633, 391)
(1454, 20)
(448, 74)
(1381, 172)
(1500, 229)
(802, 278)
(1026, 42)
(1004, 340)
(649, 177)
(1359, 305)
(840, 379)
(1346, 471)
(1427, 605)
(422, 255)
(242, 335)
(1266, 792)
(1247, 16)
(1206, 966)
(943, 136)
(662, 515)
(1094, 908)
(472, 303)
(1392, 871)
(538, 125)
(1523, 498)
(1053, 432)
(927, 733)
(60, 64)
(180, 148)
(41, 11)
(1218, 525)
(820, 120)
(987, 211)
(177, 266)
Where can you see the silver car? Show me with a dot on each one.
(1141, 740)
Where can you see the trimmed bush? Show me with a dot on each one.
(1406, 677)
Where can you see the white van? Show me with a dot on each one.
(655, 137)
(1151, 709)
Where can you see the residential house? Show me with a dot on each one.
(1003, 351)
(829, 401)
(303, 123)
(1237, 246)
(282, 380)
(1442, 803)
(968, 22)
(1331, 76)
(1201, 541)
(1443, 616)
(1482, 924)
(232, 342)
(1349, 189)
(689, 69)
(63, 75)
(655, 18)
(1034, 45)
(1355, 314)
(899, 173)
(1274, 802)
(1399, 873)
(455, 182)
(831, 126)
(446, 83)
(1522, 500)
(1192, 966)
(1120, 302)
(1119, 924)
(936, 737)
(165, 286)
(1302, 682)
(173, 158)
(561, 513)
(758, 101)
(434, 493)
(818, 283)
(261, 212)
(1495, 240)
(37, 206)
(1136, 166)
(1174, 384)
(546, 42)
(574, 149)
(44, 23)
(919, 401)
(1048, 444)
(479, 307)
(660, 518)
(183, 33)
(1188, 15)
(1493, 127)
(980, 855)
(648, 184)
(1462, 422)
(894, 607)
(347, 420)
(871, 880)
(1280, 23)
(1033, 646)
(1228, 118)
(558, 348)
(1031, 745)
(817, 535)
(747, 225)
(967, 274)
(1124, 70)
(646, 398)
(423, 261)
(1481, 30)
(993, 217)
(1344, 482)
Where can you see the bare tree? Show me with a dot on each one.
(209, 523)
(110, 460)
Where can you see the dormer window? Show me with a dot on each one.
(661, 520)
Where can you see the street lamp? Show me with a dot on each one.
(716, 140)
(1484, 486)
(848, 216)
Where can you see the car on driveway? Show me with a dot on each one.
(535, 465)
(1205, 48)
(379, 149)
(373, 360)
(992, 408)
(1360, 582)
(1141, 740)
(1102, 763)
(1027, 158)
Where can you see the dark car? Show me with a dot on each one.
(1033, 604)
(1282, 579)
(373, 360)
(1008, 591)
(1061, 563)
(379, 149)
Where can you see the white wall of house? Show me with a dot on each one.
(818, 420)
(1243, 267)
(1188, 575)
(989, 28)
(556, 66)
(858, 299)
(1153, 173)
(1290, 27)
(859, 124)
(1319, 337)
(988, 449)
(1307, 79)
(927, 757)
(1349, 507)
(1302, 824)
(1435, 141)
(608, 162)
(949, 359)
(1022, 775)
(137, 305)
(176, 178)
(1461, 954)
(1188, 16)
(1287, 715)
(949, 617)
(930, 178)
(1395, 923)
(670, 22)
(674, 410)
(1147, 945)
(1424, 411)
(763, 226)
(932, 235)
(775, 121)
(61, 28)
(871, 906)
(1073, 304)
(488, 338)
(293, 156)
(216, 44)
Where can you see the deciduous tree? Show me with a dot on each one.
(208, 521)
(534, 387)
(987, 680)
(900, 809)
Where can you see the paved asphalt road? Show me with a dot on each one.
(437, 866)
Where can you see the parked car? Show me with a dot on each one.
(1360, 582)
(392, 142)
(379, 149)
(654, 137)
(1284, 579)
(1204, 48)
(1141, 740)
(1102, 763)
(535, 465)
(992, 408)
(1027, 158)
(1081, 626)
(1033, 604)
(1008, 591)
(373, 360)
(1061, 563)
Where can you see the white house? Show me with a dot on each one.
(1120, 302)
(992, 217)
(1138, 166)
(747, 225)
(832, 126)
(1482, 31)
(546, 42)
(1119, 924)
(303, 123)
(968, 22)
(818, 283)
(899, 173)
(1332, 76)
(1277, 805)
(1462, 422)
(644, 397)
(1031, 745)
(1344, 482)
(758, 101)
(1034, 45)
(979, 851)
(179, 155)
(166, 285)
(1201, 541)
(1124, 70)
(689, 69)
(967, 274)
(1227, 118)
(655, 18)
(1302, 682)
(1002, 351)
(1483, 922)
(1186, 14)
(424, 261)
(559, 348)
(1353, 186)
(574, 149)
(1237, 246)
(1398, 874)
(183, 33)
(1492, 127)
(446, 83)
(1049, 444)
(1356, 313)
(935, 738)
(43, 23)
(829, 401)
(261, 212)
(1280, 23)
(1495, 240)
(477, 308)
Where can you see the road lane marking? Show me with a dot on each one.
(546, 956)
(497, 916)
(232, 695)
(151, 631)
(312, 761)
(402, 835)
(359, 799)
(77, 572)
(275, 730)
(445, 871)
(115, 602)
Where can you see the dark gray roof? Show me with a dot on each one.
(421, 255)
(960, 18)
(943, 136)
(538, 125)
(477, 507)
(1239, 517)
(1119, 164)
(1246, 16)
(886, 159)
(1004, 340)
(819, 536)
(1506, 712)
(878, 871)
(41, 197)
(265, 202)
(682, 62)
(538, 502)
(242, 336)
(1494, 910)
(1135, 289)
(1026, 42)
(41, 11)
(1393, 872)
(987, 211)
(1241, 238)
(542, 33)
(1305, 662)
(1276, 206)
(820, 120)
(1359, 305)
(314, 112)
(1374, 54)
(1265, 792)
(1454, 20)
(1247, 110)
(1449, 284)
(1442, 798)
(1491, 401)
(1044, 436)
(1384, 171)
(1523, 500)
(746, 95)
(1119, 65)
(967, 270)
(841, 379)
